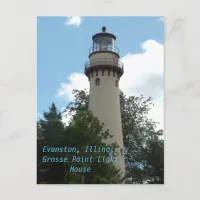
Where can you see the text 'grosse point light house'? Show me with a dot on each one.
(104, 70)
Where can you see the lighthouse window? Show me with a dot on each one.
(108, 72)
(102, 72)
(97, 81)
(117, 83)
(122, 152)
(103, 46)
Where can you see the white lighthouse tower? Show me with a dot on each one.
(104, 70)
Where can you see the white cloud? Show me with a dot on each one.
(66, 117)
(74, 21)
(143, 74)
(75, 81)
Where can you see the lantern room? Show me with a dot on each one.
(104, 55)
(103, 42)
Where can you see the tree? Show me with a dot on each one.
(49, 132)
(83, 130)
(155, 160)
(144, 149)
(86, 130)
(140, 136)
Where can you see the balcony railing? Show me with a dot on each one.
(109, 48)
(104, 62)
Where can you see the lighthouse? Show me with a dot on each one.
(104, 70)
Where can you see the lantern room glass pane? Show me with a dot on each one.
(103, 43)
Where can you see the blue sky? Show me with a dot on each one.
(62, 48)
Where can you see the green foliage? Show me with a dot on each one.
(140, 140)
(144, 150)
(83, 130)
